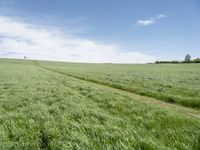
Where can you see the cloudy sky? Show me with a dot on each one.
(122, 31)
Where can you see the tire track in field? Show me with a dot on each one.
(144, 99)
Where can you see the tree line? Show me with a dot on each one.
(186, 60)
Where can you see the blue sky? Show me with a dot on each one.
(124, 31)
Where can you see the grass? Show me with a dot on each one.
(173, 83)
(43, 109)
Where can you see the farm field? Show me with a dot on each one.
(174, 83)
(52, 105)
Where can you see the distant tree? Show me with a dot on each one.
(187, 58)
(167, 62)
(175, 62)
(197, 60)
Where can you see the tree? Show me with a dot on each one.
(197, 60)
(187, 58)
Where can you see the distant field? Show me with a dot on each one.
(174, 83)
(51, 105)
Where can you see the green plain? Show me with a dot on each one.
(59, 106)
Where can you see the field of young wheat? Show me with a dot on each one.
(59, 106)
(175, 83)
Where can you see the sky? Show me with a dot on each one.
(100, 31)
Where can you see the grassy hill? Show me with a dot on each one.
(51, 105)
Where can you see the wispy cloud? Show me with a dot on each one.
(145, 22)
(150, 21)
(19, 38)
(161, 16)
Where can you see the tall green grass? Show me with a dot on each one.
(174, 83)
(40, 109)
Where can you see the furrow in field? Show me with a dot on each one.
(147, 100)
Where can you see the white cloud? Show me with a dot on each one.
(18, 39)
(145, 22)
(150, 21)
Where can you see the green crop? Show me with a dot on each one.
(59, 106)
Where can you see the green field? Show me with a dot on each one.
(175, 83)
(59, 106)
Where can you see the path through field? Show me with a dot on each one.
(173, 107)
(45, 106)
